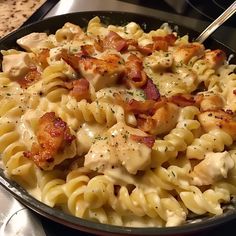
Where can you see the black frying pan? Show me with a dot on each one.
(148, 23)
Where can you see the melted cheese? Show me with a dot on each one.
(118, 149)
(159, 60)
(85, 136)
(214, 167)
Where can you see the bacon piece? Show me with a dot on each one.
(134, 72)
(87, 50)
(183, 100)
(30, 78)
(79, 89)
(151, 91)
(162, 121)
(147, 49)
(215, 58)
(42, 57)
(71, 59)
(53, 135)
(159, 43)
(145, 122)
(148, 140)
(115, 41)
(137, 107)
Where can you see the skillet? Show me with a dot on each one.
(50, 25)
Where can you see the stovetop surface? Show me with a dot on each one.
(198, 9)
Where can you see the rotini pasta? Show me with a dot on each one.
(118, 125)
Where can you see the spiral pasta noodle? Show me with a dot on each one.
(100, 112)
(17, 166)
(215, 140)
(51, 185)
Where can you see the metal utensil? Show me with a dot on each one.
(217, 23)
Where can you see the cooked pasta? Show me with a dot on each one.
(118, 125)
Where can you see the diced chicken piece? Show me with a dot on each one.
(100, 73)
(53, 136)
(118, 148)
(16, 65)
(215, 58)
(184, 52)
(164, 119)
(214, 167)
(210, 120)
(210, 102)
(34, 41)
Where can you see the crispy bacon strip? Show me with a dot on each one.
(183, 100)
(30, 78)
(115, 41)
(42, 57)
(53, 135)
(163, 42)
(148, 140)
(146, 50)
(145, 122)
(137, 107)
(79, 89)
(71, 59)
(151, 91)
(134, 72)
(159, 43)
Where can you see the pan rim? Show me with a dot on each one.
(89, 226)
